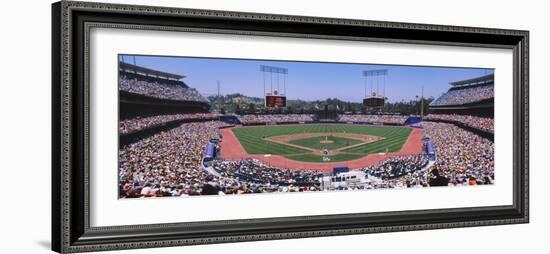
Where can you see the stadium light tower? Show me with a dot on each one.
(219, 98)
(375, 99)
(421, 98)
(422, 102)
(274, 98)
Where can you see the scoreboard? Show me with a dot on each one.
(272, 101)
(373, 102)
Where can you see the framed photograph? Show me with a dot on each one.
(181, 126)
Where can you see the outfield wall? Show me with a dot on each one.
(320, 122)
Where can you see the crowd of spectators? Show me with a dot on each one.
(235, 177)
(398, 172)
(487, 124)
(463, 158)
(275, 118)
(170, 164)
(139, 123)
(152, 79)
(459, 96)
(159, 89)
(252, 176)
(391, 119)
(258, 177)
(167, 163)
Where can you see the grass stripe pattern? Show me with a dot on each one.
(253, 140)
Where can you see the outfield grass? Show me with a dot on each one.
(252, 139)
(315, 142)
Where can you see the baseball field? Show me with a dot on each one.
(321, 142)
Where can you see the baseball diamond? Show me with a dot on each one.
(262, 140)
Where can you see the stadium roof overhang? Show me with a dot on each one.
(149, 72)
(473, 81)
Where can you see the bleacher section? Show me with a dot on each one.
(467, 97)
(383, 119)
(151, 101)
(482, 123)
(139, 123)
(261, 119)
(145, 92)
(162, 89)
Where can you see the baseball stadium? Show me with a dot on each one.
(179, 137)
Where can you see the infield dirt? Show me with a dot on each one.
(285, 139)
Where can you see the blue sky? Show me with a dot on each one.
(308, 80)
